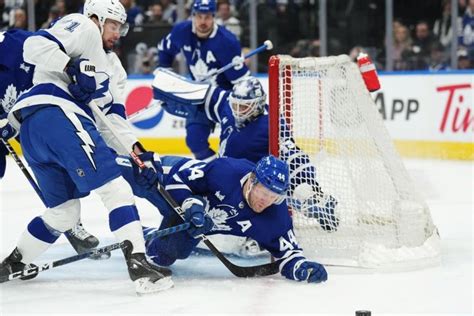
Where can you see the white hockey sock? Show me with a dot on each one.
(124, 220)
(31, 247)
(132, 232)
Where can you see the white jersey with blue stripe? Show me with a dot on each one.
(75, 36)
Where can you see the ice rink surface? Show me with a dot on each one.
(204, 286)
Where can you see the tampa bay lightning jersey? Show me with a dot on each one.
(15, 74)
(220, 182)
(203, 55)
(249, 142)
(50, 50)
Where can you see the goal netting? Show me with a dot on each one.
(323, 106)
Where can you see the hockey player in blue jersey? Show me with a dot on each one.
(207, 47)
(243, 116)
(68, 151)
(232, 197)
(16, 76)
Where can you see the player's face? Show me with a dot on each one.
(260, 198)
(203, 23)
(112, 33)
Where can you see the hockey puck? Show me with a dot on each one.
(363, 313)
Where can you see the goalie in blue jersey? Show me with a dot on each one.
(226, 196)
(243, 116)
(207, 47)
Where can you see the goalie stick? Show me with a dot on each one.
(239, 271)
(95, 252)
(267, 45)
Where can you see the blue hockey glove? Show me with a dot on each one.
(299, 269)
(322, 208)
(153, 172)
(82, 73)
(3, 161)
(6, 130)
(195, 214)
(313, 272)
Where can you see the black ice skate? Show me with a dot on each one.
(13, 264)
(82, 241)
(147, 277)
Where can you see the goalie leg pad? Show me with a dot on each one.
(180, 96)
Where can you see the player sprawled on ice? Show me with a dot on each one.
(231, 197)
(66, 149)
(243, 116)
(207, 47)
(16, 76)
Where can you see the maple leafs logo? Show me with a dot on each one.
(9, 98)
(220, 216)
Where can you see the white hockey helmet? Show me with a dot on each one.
(107, 9)
(247, 100)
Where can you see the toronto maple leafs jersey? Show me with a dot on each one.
(15, 74)
(220, 182)
(249, 141)
(204, 55)
(50, 50)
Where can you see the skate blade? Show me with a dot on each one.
(143, 286)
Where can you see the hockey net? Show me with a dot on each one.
(324, 106)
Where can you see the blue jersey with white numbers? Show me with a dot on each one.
(15, 74)
(203, 55)
(249, 141)
(220, 182)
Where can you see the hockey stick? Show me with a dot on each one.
(260, 270)
(267, 45)
(96, 252)
(23, 169)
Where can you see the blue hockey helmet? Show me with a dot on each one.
(247, 100)
(273, 173)
(204, 6)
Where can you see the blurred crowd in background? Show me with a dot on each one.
(422, 33)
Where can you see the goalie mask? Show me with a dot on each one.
(273, 174)
(107, 9)
(247, 100)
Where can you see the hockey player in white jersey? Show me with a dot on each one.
(16, 77)
(67, 149)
